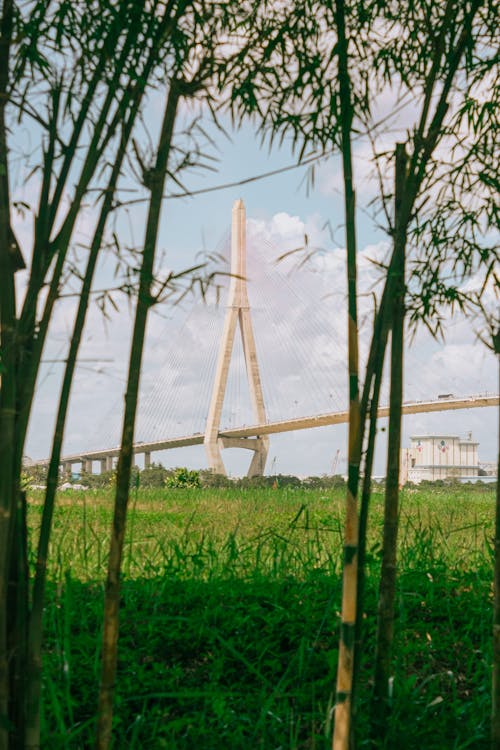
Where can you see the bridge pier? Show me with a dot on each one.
(258, 462)
(147, 460)
(259, 445)
(87, 465)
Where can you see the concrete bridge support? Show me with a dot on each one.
(237, 313)
(87, 465)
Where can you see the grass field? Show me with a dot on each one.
(230, 614)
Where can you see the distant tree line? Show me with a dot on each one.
(156, 475)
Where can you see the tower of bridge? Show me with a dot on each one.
(237, 314)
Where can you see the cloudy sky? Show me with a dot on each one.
(299, 320)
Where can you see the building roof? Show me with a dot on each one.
(462, 440)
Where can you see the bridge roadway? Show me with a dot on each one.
(287, 425)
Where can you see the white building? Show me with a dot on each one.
(434, 457)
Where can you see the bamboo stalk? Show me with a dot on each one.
(112, 594)
(385, 618)
(363, 520)
(132, 104)
(368, 410)
(495, 672)
(31, 342)
(426, 138)
(8, 382)
(342, 726)
(35, 628)
(17, 621)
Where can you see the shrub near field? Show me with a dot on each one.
(230, 613)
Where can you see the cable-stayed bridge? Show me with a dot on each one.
(231, 438)
(214, 392)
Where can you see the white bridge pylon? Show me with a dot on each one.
(237, 313)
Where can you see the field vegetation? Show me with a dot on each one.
(230, 612)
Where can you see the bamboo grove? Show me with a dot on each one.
(79, 76)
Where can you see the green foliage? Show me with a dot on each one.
(95, 481)
(211, 479)
(229, 624)
(154, 476)
(182, 477)
(324, 482)
(34, 475)
(473, 486)
(135, 477)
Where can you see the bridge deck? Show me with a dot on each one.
(287, 425)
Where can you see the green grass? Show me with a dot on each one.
(230, 614)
